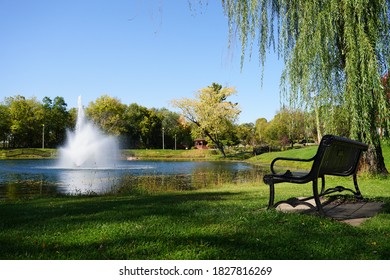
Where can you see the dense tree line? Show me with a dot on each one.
(27, 122)
(23, 121)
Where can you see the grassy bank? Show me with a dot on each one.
(144, 154)
(27, 153)
(266, 158)
(192, 154)
(305, 153)
(159, 154)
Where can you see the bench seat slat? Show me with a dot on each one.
(292, 176)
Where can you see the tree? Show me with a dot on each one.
(246, 133)
(5, 124)
(260, 127)
(143, 127)
(277, 130)
(151, 128)
(26, 121)
(334, 51)
(107, 112)
(338, 124)
(176, 132)
(56, 119)
(134, 114)
(286, 128)
(210, 111)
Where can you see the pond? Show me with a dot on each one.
(25, 178)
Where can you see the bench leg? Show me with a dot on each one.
(358, 194)
(317, 197)
(271, 195)
(322, 185)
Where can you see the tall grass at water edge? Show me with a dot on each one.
(152, 184)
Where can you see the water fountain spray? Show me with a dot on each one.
(87, 146)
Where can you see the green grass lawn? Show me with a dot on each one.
(225, 222)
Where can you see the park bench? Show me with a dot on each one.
(335, 156)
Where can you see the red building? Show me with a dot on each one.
(200, 144)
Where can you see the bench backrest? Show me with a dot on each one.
(337, 156)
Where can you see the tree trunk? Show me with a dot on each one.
(374, 160)
(217, 143)
(318, 123)
(222, 150)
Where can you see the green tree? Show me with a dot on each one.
(26, 121)
(277, 131)
(72, 118)
(286, 128)
(56, 120)
(134, 114)
(151, 128)
(210, 111)
(176, 132)
(246, 133)
(143, 127)
(107, 112)
(260, 127)
(334, 50)
(338, 124)
(5, 124)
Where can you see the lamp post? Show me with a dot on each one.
(175, 141)
(43, 136)
(163, 144)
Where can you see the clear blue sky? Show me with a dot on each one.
(143, 51)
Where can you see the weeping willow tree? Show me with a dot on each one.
(335, 52)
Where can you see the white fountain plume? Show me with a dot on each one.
(88, 146)
(80, 114)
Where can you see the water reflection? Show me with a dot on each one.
(24, 178)
(85, 181)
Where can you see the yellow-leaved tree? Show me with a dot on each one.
(210, 111)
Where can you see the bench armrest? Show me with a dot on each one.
(288, 159)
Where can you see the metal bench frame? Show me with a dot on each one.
(336, 156)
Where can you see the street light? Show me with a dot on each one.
(163, 144)
(43, 136)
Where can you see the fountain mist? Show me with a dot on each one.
(88, 146)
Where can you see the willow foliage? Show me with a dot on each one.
(335, 52)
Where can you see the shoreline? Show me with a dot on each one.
(126, 154)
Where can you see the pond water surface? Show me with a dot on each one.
(24, 178)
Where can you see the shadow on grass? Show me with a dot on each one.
(103, 209)
(209, 225)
